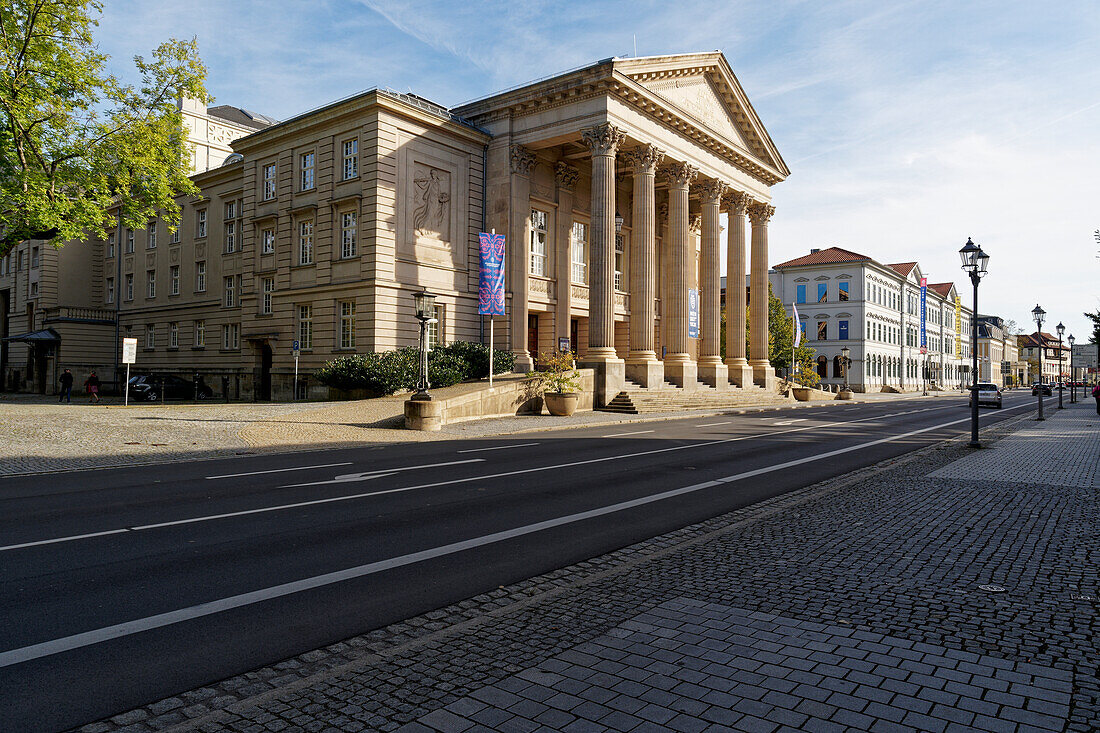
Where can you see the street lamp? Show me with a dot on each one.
(424, 304)
(1060, 329)
(1072, 380)
(1038, 314)
(845, 362)
(976, 263)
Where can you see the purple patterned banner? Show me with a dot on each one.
(490, 291)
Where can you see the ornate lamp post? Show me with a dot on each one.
(1061, 330)
(1038, 314)
(424, 303)
(1072, 380)
(845, 364)
(976, 263)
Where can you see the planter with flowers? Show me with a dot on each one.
(558, 381)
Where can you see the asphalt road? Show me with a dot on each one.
(124, 586)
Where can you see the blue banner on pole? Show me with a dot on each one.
(923, 315)
(693, 313)
(490, 290)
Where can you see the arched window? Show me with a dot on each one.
(822, 366)
(837, 371)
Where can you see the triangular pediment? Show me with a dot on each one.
(697, 96)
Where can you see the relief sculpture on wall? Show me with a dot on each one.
(432, 198)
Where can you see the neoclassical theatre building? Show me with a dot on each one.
(608, 182)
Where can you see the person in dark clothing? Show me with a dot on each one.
(66, 380)
(92, 385)
(1096, 394)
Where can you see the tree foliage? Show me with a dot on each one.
(74, 139)
(781, 340)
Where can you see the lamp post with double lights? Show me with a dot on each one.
(976, 263)
(1039, 314)
(424, 304)
(1061, 330)
(845, 364)
(1072, 379)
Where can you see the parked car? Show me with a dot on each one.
(146, 387)
(988, 394)
(1036, 387)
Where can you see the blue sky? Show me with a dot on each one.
(908, 126)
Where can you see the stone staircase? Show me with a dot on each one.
(635, 399)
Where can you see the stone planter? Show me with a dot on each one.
(802, 394)
(844, 394)
(562, 404)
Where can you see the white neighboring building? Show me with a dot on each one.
(848, 299)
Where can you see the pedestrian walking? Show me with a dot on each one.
(66, 380)
(1096, 394)
(91, 384)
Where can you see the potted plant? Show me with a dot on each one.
(558, 381)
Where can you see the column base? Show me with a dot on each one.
(715, 374)
(423, 415)
(684, 374)
(524, 362)
(610, 377)
(740, 373)
(763, 375)
(649, 373)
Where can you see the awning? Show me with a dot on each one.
(45, 336)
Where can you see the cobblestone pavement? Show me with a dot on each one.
(856, 604)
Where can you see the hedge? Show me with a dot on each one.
(387, 372)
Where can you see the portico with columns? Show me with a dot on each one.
(597, 176)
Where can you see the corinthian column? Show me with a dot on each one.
(680, 369)
(762, 372)
(711, 369)
(642, 365)
(740, 373)
(522, 161)
(603, 141)
(566, 177)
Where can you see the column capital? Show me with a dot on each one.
(760, 212)
(603, 139)
(711, 190)
(523, 160)
(680, 174)
(644, 158)
(566, 176)
(738, 202)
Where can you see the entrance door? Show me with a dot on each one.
(265, 371)
(40, 368)
(574, 329)
(533, 335)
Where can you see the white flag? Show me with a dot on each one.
(797, 327)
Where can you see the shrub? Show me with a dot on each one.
(556, 373)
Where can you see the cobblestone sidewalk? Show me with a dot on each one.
(919, 595)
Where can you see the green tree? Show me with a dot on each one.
(1094, 338)
(74, 140)
(781, 339)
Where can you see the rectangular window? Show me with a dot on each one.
(150, 336)
(800, 293)
(305, 242)
(267, 241)
(110, 245)
(200, 223)
(128, 293)
(842, 328)
(269, 182)
(152, 236)
(22, 260)
(230, 237)
(231, 336)
(173, 335)
(129, 241)
(538, 242)
(200, 277)
(230, 291)
(200, 334)
(110, 290)
(268, 289)
(620, 253)
(822, 330)
(351, 159)
(579, 253)
(843, 291)
(34, 290)
(174, 280)
(347, 324)
(230, 210)
(306, 166)
(150, 283)
(822, 292)
(174, 237)
(34, 258)
(305, 327)
(348, 229)
(435, 327)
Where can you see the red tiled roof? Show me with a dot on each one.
(941, 289)
(829, 256)
(903, 268)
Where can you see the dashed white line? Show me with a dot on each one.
(636, 432)
(280, 470)
(497, 447)
(712, 424)
(369, 475)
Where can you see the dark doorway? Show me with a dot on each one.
(533, 335)
(265, 372)
(822, 367)
(574, 329)
(5, 306)
(40, 354)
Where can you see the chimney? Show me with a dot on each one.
(814, 251)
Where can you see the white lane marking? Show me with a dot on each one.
(368, 475)
(791, 421)
(712, 424)
(497, 447)
(62, 539)
(106, 633)
(280, 470)
(636, 432)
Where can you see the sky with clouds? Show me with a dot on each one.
(908, 126)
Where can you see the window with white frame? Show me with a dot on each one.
(305, 242)
(347, 324)
(150, 283)
(152, 243)
(305, 327)
(110, 289)
(110, 245)
(620, 255)
(538, 242)
(348, 230)
(305, 164)
(436, 330)
(128, 293)
(269, 181)
(200, 334)
(579, 253)
(34, 258)
(129, 241)
(267, 241)
(33, 290)
(231, 336)
(351, 159)
(230, 242)
(173, 335)
(200, 277)
(267, 290)
(200, 223)
(150, 336)
(174, 237)
(174, 280)
(229, 286)
(230, 210)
